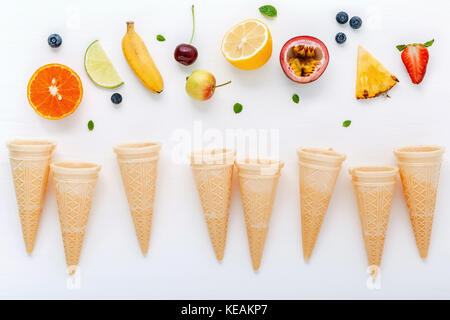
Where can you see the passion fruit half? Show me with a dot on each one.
(304, 59)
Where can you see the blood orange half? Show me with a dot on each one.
(54, 91)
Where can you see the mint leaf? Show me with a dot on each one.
(429, 43)
(91, 125)
(346, 123)
(268, 11)
(296, 98)
(160, 38)
(237, 108)
(401, 47)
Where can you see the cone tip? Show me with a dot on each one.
(306, 256)
(29, 249)
(144, 250)
(424, 255)
(72, 269)
(256, 267)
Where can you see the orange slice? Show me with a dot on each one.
(54, 91)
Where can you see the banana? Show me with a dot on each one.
(140, 61)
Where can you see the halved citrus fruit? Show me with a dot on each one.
(54, 91)
(247, 45)
(99, 68)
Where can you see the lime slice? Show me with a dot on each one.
(99, 68)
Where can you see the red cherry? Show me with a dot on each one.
(185, 54)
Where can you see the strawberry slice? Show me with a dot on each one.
(415, 58)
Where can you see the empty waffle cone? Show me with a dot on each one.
(258, 181)
(30, 166)
(75, 184)
(419, 171)
(318, 169)
(213, 172)
(374, 189)
(139, 167)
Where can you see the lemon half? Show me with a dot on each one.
(247, 45)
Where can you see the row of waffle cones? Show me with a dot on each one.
(31, 162)
(258, 180)
(419, 168)
(213, 170)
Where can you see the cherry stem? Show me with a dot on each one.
(223, 84)
(193, 25)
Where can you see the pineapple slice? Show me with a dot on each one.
(372, 78)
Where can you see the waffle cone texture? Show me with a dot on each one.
(419, 171)
(30, 166)
(138, 164)
(258, 180)
(75, 184)
(374, 189)
(318, 170)
(213, 172)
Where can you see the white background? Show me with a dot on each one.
(181, 262)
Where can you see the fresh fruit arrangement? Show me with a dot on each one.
(201, 85)
(187, 54)
(415, 58)
(247, 45)
(304, 59)
(140, 61)
(54, 91)
(372, 78)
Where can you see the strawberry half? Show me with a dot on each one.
(415, 58)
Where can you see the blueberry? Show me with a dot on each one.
(341, 37)
(342, 17)
(54, 40)
(116, 98)
(355, 22)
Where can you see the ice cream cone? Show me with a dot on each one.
(258, 181)
(74, 183)
(374, 188)
(213, 172)
(138, 166)
(30, 165)
(319, 169)
(419, 171)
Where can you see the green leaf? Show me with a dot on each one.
(237, 108)
(91, 125)
(295, 98)
(160, 38)
(401, 47)
(429, 43)
(346, 123)
(268, 11)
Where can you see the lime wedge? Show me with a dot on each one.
(99, 68)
